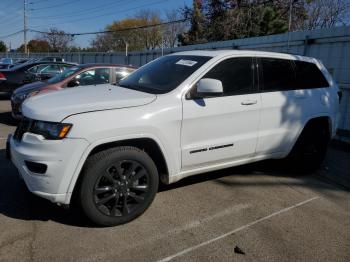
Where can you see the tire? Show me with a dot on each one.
(310, 149)
(118, 185)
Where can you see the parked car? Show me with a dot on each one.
(82, 75)
(6, 63)
(52, 59)
(178, 116)
(15, 61)
(21, 74)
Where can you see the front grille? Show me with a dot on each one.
(22, 128)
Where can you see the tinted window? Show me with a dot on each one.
(65, 67)
(164, 74)
(49, 69)
(33, 69)
(309, 76)
(94, 77)
(278, 74)
(236, 75)
(66, 73)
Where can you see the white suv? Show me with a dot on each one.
(178, 116)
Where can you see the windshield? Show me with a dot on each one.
(66, 73)
(164, 74)
(6, 60)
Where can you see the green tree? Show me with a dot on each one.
(216, 14)
(271, 22)
(197, 32)
(217, 20)
(3, 47)
(126, 34)
(36, 46)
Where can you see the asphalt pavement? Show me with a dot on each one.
(258, 212)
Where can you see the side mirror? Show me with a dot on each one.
(209, 87)
(73, 83)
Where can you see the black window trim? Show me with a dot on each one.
(255, 89)
(292, 61)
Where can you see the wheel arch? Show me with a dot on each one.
(152, 147)
(311, 122)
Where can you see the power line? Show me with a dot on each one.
(9, 10)
(82, 12)
(112, 31)
(39, 1)
(12, 34)
(12, 20)
(108, 14)
(13, 3)
(53, 6)
(25, 25)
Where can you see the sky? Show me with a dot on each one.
(72, 16)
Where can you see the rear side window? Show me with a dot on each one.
(96, 76)
(50, 69)
(308, 75)
(278, 74)
(236, 75)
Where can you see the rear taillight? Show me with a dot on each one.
(340, 95)
(2, 76)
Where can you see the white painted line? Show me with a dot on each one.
(190, 249)
(208, 219)
(3, 138)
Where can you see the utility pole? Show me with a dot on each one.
(290, 22)
(25, 25)
(162, 46)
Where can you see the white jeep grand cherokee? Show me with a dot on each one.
(180, 115)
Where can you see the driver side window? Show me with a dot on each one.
(236, 75)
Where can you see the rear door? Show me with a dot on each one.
(224, 127)
(290, 93)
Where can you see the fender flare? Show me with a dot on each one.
(99, 142)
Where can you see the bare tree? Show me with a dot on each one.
(172, 31)
(326, 13)
(58, 40)
(151, 36)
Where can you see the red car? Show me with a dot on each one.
(80, 75)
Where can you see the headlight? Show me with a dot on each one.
(22, 97)
(50, 130)
(19, 97)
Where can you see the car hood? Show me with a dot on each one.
(58, 105)
(29, 88)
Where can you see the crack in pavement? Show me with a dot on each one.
(15, 239)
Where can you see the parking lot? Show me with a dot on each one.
(270, 214)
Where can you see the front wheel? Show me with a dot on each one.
(118, 185)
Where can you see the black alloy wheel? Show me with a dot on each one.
(117, 185)
(121, 188)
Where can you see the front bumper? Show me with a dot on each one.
(60, 156)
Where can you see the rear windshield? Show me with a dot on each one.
(164, 74)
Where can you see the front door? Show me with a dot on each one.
(224, 127)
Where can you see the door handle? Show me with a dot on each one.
(249, 102)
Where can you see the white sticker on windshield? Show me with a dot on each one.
(186, 62)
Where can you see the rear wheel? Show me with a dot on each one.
(310, 149)
(118, 185)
